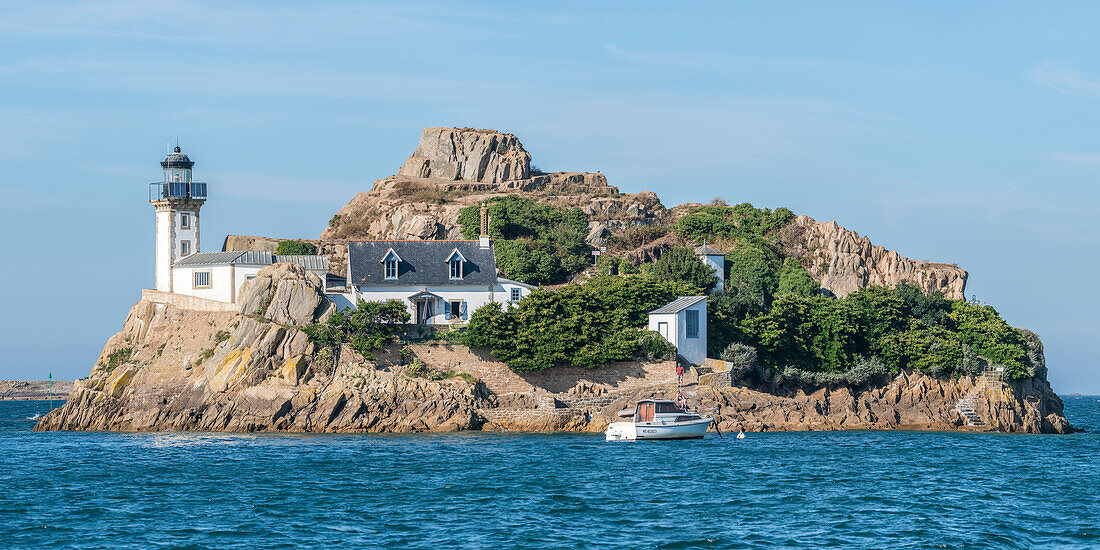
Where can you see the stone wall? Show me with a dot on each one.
(500, 379)
(182, 301)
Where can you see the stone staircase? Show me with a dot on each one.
(988, 382)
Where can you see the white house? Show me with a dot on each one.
(441, 282)
(683, 322)
(716, 261)
(220, 275)
(180, 267)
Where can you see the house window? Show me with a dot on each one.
(692, 323)
(516, 294)
(456, 268)
(202, 279)
(391, 268)
(185, 248)
(456, 310)
(185, 220)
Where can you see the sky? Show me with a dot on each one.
(951, 132)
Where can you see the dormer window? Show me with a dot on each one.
(456, 265)
(390, 263)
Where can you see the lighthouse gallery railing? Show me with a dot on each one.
(177, 189)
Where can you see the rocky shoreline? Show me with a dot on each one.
(172, 368)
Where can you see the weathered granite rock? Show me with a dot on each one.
(283, 293)
(843, 262)
(467, 154)
(911, 401)
(401, 207)
(185, 374)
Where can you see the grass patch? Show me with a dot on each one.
(117, 357)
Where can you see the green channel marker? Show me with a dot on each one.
(49, 392)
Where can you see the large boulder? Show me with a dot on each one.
(467, 154)
(285, 294)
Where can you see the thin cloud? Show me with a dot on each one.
(1070, 157)
(1062, 78)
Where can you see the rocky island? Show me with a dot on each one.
(258, 365)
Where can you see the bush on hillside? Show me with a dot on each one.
(682, 265)
(371, 325)
(535, 243)
(295, 248)
(588, 325)
(891, 326)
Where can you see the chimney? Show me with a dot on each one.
(483, 239)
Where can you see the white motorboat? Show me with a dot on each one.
(658, 419)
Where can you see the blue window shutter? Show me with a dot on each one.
(446, 309)
(463, 311)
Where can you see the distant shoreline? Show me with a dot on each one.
(34, 390)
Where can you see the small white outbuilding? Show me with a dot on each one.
(683, 322)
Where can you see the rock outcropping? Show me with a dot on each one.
(251, 371)
(469, 155)
(844, 262)
(452, 168)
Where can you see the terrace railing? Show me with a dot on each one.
(177, 189)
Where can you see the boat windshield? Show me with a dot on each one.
(668, 408)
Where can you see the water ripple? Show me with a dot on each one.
(473, 490)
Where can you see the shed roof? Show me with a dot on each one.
(422, 263)
(679, 304)
(252, 257)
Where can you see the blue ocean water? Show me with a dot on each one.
(481, 490)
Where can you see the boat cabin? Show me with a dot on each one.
(661, 410)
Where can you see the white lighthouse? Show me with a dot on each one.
(177, 201)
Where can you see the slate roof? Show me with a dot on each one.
(707, 250)
(422, 263)
(679, 304)
(251, 257)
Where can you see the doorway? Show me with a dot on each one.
(424, 311)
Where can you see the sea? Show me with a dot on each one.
(858, 489)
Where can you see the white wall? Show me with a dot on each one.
(718, 265)
(190, 235)
(475, 296)
(692, 349)
(672, 334)
(164, 256)
(221, 287)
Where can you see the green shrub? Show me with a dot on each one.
(296, 248)
(118, 357)
(535, 243)
(417, 369)
(865, 370)
(744, 224)
(370, 326)
(742, 359)
(794, 280)
(589, 324)
(681, 264)
(221, 336)
(893, 326)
